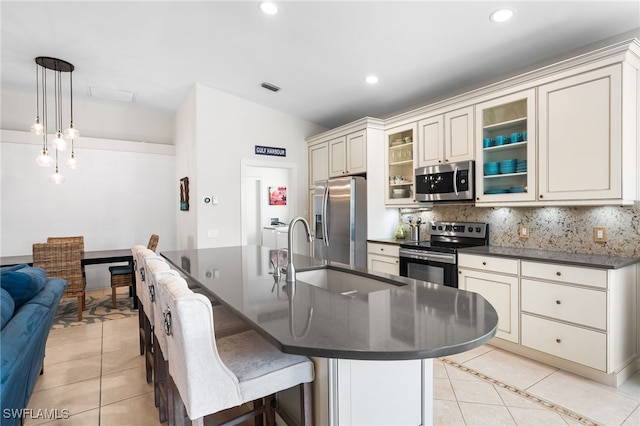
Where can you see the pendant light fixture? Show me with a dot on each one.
(58, 66)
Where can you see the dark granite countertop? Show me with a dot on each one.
(573, 259)
(388, 241)
(402, 319)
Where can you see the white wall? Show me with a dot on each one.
(105, 120)
(117, 198)
(227, 129)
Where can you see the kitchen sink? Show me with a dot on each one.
(345, 282)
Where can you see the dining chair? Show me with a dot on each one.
(75, 239)
(63, 260)
(210, 374)
(123, 275)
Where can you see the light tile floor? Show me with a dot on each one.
(96, 373)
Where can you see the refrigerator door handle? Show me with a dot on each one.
(325, 201)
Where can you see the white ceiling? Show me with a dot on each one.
(318, 52)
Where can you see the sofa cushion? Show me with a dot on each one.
(7, 306)
(23, 284)
(12, 268)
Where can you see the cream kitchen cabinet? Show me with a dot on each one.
(583, 315)
(318, 162)
(400, 148)
(496, 279)
(581, 137)
(446, 138)
(348, 154)
(383, 258)
(500, 118)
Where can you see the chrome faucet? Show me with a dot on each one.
(291, 270)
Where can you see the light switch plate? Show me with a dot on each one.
(600, 234)
(523, 231)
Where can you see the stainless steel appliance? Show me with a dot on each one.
(436, 260)
(340, 220)
(449, 182)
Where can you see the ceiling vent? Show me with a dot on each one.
(112, 95)
(270, 86)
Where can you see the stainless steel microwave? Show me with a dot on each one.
(450, 182)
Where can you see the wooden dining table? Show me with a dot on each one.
(92, 257)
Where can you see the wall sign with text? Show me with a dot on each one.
(271, 150)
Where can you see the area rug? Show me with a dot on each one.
(97, 309)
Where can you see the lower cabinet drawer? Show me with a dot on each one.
(488, 263)
(575, 344)
(578, 305)
(567, 274)
(383, 249)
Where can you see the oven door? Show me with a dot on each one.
(434, 267)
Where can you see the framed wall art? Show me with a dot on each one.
(277, 195)
(184, 194)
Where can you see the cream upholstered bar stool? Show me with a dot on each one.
(147, 294)
(124, 276)
(137, 282)
(213, 374)
(155, 270)
(226, 323)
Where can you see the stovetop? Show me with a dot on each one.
(448, 237)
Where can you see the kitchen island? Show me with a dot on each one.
(372, 345)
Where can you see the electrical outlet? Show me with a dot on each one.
(212, 233)
(523, 231)
(600, 234)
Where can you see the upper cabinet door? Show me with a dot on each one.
(318, 163)
(446, 138)
(357, 152)
(337, 156)
(580, 136)
(506, 147)
(431, 148)
(458, 142)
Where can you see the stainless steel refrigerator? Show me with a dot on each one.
(340, 216)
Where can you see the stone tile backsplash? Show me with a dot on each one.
(567, 229)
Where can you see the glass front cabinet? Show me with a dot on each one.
(506, 149)
(400, 167)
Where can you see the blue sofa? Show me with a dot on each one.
(28, 305)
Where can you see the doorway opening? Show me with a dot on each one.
(260, 179)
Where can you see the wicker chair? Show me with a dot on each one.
(63, 260)
(76, 239)
(122, 276)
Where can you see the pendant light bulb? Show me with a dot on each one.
(59, 143)
(71, 133)
(56, 177)
(44, 160)
(37, 127)
(72, 162)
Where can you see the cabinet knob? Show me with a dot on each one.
(558, 341)
(439, 161)
(484, 263)
(381, 249)
(478, 198)
(558, 273)
(558, 302)
(396, 261)
(541, 196)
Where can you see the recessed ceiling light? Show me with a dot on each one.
(268, 7)
(501, 15)
(371, 79)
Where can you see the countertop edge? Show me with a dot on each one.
(587, 260)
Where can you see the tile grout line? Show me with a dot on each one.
(101, 373)
(542, 402)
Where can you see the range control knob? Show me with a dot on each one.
(478, 229)
(470, 229)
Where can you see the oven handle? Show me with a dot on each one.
(428, 255)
